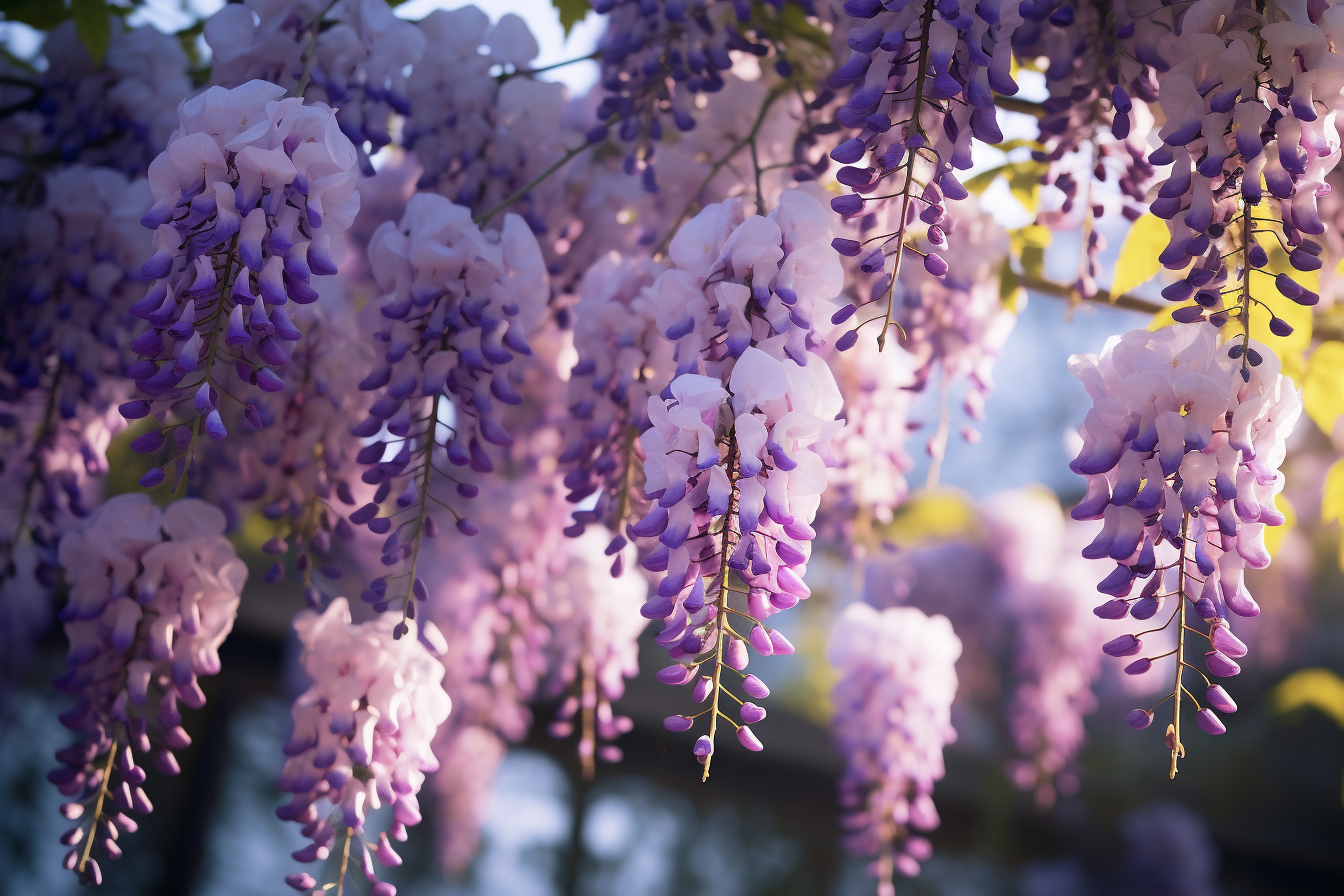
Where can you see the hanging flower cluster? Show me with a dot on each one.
(249, 197)
(595, 624)
(735, 462)
(924, 76)
(456, 307)
(304, 479)
(153, 594)
(1181, 455)
(71, 277)
(1042, 598)
(868, 481)
(362, 734)
(893, 707)
(623, 358)
(351, 56)
(117, 114)
(481, 139)
(1250, 105)
(658, 57)
(1100, 69)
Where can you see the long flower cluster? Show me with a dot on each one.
(658, 57)
(1053, 662)
(306, 471)
(456, 307)
(1100, 70)
(1250, 105)
(362, 735)
(595, 627)
(1181, 454)
(924, 76)
(479, 139)
(153, 594)
(117, 114)
(622, 359)
(893, 707)
(249, 198)
(71, 276)
(351, 56)
(868, 483)
(735, 457)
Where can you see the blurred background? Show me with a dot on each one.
(1257, 811)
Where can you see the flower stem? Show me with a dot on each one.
(1177, 748)
(98, 806)
(721, 598)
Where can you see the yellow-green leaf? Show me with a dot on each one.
(1138, 263)
(1332, 498)
(1318, 689)
(938, 514)
(1274, 535)
(1323, 387)
(93, 27)
(1162, 319)
(571, 12)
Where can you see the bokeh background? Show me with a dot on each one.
(1257, 811)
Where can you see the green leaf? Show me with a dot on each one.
(1274, 535)
(1323, 388)
(40, 14)
(1138, 263)
(980, 183)
(92, 24)
(1318, 689)
(571, 12)
(1332, 499)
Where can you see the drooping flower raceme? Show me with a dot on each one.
(1181, 451)
(622, 358)
(250, 198)
(351, 56)
(456, 307)
(1250, 104)
(362, 734)
(893, 707)
(595, 627)
(657, 57)
(70, 277)
(305, 470)
(924, 76)
(116, 114)
(745, 465)
(736, 452)
(479, 138)
(153, 594)
(1100, 70)
(1053, 640)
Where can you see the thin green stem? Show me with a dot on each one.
(483, 219)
